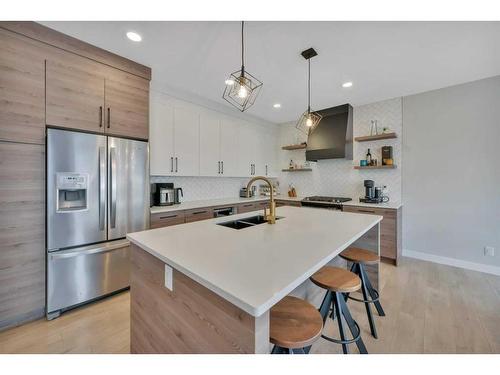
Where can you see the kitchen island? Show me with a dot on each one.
(207, 288)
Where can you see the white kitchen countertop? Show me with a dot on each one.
(255, 267)
(190, 205)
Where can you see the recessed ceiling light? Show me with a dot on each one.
(229, 82)
(347, 84)
(277, 105)
(134, 36)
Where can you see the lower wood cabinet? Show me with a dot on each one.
(390, 230)
(22, 233)
(246, 207)
(199, 214)
(167, 219)
(280, 202)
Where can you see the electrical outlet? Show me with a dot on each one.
(489, 251)
(169, 273)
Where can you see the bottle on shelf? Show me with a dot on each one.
(368, 158)
(291, 164)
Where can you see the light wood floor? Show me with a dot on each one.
(430, 309)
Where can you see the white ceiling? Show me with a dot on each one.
(382, 59)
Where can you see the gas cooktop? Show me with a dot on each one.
(323, 199)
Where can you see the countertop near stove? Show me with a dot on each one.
(236, 200)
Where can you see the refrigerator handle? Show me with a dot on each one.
(112, 177)
(102, 187)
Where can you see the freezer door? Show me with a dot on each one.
(128, 187)
(76, 189)
(82, 274)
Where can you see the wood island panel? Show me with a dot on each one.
(189, 319)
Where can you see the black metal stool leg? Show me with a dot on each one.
(352, 326)
(354, 269)
(339, 312)
(372, 292)
(367, 304)
(323, 310)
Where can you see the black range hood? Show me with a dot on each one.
(333, 137)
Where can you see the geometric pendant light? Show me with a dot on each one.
(309, 119)
(241, 88)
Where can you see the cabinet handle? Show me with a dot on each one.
(266, 169)
(172, 164)
(100, 116)
(367, 211)
(219, 166)
(199, 212)
(176, 164)
(168, 217)
(109, 117)
(222, 164)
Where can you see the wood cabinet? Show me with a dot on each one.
(199, 214)
(86, 95)
(167, 219)
(22, 233)
(127, 104)
(22, 89)
(390, 230)
(75, 94)
(283, 202)
(246, 207)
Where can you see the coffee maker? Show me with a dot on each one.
(162, 194)
(373, 194)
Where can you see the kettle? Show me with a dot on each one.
(177, 195)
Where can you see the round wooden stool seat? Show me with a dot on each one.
(336, 279)
(356, 255)
(294, 323)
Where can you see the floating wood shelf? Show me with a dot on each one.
(376, 137)
(375, 167)
(299, 146)
(297, 170)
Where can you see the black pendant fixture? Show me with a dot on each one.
(309, 119)
(242, 88)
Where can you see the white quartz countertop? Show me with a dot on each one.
(206, 203)
(255, 267)
(390, 205)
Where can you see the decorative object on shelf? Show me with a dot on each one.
(363, 163)
(242, 88)
(368, 158)
(385, 130)
(387, 158)
(298, 146)
(309, 120)
(368, 138)
(373, 128)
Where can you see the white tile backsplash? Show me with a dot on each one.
(337, 177)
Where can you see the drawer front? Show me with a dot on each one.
(247, 207)
(167, 219)
(386, 213)
(199, 214)
(262, 205)
(280, 203)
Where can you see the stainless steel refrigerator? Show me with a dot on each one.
(97, 192)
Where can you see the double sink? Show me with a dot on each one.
(246, 222)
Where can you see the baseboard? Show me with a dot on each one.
(494, 270)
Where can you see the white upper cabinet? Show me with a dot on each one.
(229, 147)
(186, 141)
(189, 140)
(161, 136)
(210, 155)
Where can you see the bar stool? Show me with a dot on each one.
(294, 325)
(338, 281)
(360, 257)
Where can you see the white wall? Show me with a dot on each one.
(451, 172)
(337, 177)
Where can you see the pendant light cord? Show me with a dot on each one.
(309, 87)
(242, 49)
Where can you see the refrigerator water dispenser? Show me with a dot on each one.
(71, 192)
